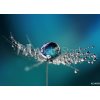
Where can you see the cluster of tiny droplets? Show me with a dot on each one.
(75, 57)
(84, 55)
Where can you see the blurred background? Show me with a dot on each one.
(69, 31)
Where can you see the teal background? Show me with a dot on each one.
(69, 31)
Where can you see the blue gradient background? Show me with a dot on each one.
(70, 31)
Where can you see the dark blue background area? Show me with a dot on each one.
(69, 31)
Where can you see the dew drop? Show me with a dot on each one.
(75, 71)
